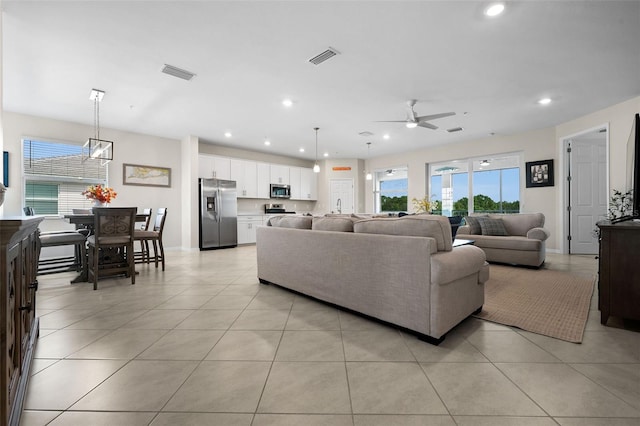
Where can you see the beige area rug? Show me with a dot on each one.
(542, 301)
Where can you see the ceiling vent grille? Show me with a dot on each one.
(366, 134)
(455, 129)
(177, 72)
(327, 54)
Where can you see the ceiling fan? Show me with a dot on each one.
(413, 120)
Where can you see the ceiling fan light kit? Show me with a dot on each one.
(413, 120)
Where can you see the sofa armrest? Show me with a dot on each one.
(463, 229)
(448, 266)
(538, 234)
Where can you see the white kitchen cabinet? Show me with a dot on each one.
(247, 226)
(263, 180)
(308, 184)
(246, 177)
(211, 166)
(294, 181)
(280, 174)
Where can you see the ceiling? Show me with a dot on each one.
(249, 56)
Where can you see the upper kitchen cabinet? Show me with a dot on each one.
(304, 184)
(245, 173)
(280, 174)
(210, 166)
(308, 184)
(294, 179)
(264, 179)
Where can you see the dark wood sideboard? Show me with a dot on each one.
(619, 270)
(18, 323)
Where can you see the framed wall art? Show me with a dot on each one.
(539, 173)
(136, 174)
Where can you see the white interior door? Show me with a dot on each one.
(341, 196)
(588, 190)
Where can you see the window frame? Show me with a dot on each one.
(468, 162)
(83, 181)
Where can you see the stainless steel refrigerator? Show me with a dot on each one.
(218, 213)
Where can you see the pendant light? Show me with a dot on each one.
(96, 148)
(368, 176)
(316, 167)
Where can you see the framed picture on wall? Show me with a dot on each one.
(539, 173)
(136, 174)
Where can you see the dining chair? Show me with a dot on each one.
(140, 256)
(111, 245)
(155, 237)
(66, 237)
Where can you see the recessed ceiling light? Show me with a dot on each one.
(544, 101)
(287, 103)
(494, 9)
(267, 142)
(326, 154)
(227, 134)
(301, 150)
(385, 136)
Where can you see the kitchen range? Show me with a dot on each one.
(276, 208)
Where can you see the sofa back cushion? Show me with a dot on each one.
(337, 224)
(473, 223)
(436, 227)
(296, 222)
(520, 223)
(490, 226)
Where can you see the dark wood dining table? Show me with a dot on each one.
(87, 221)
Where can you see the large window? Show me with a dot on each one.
(493, 185)
(55, 176)
(392, 189)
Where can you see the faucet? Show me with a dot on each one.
(339, 206)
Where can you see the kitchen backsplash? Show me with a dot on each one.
(255, 206)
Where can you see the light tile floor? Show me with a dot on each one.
(205, 344)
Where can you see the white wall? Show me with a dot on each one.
(130, 148)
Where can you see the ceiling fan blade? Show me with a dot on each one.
(434, 116)
(427, 125)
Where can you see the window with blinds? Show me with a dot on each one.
(55, 176)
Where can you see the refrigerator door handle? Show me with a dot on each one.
(215, 206)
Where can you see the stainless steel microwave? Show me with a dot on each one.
(280, 191)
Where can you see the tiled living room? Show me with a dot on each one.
(354, 104)
(188, 346)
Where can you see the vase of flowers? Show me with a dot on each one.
(101, 195)
(423, 205)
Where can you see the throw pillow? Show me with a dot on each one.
(473, 224)
(492, 226)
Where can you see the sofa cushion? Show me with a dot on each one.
(520, 223)
(492, 226)
(473, 224)
(436, 227)
(508, 243)
(338, 224)
(296, 222)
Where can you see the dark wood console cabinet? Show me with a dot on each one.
(18, 323)
(619, 270)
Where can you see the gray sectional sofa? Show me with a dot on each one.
(403, 271)
(508, 238)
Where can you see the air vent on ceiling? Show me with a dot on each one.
(455, 129)
(327, 54)
(177, 72)
(366, 134)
